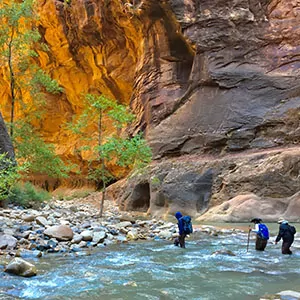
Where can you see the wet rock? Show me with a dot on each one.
(223, 252)
(20, 267)
(7, 242)
(132, 235)
(289, 295)
(60, 232)
(166, 234)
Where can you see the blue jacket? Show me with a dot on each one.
(178, 216)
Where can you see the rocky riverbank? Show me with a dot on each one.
(74, 226)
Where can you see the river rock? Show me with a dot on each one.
(60, 232)
(82, 244)
(127, 218)
(28, 217)
(99, 237)
(132, 235)
(289, 295)
(21, 267)
(7, 242)
(223, 252)
(87, 235)
(77, 238)
(42, 221)
(165, 234)
(123, 224)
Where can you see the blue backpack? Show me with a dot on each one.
(187, 224)
(263, 231)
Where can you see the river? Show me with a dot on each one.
(157, 270)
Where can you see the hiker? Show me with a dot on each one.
(286, 233)
(262, 234)
(184, 227)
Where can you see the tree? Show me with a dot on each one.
(123, 150)
(19, 38)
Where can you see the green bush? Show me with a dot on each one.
(27, 195)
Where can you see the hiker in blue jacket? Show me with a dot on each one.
(181, 238)
(262, 234)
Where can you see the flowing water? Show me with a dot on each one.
(159, 270)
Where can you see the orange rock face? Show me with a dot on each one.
(205, 76)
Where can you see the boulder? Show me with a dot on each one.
(21, 267)
(122, 225)
(7, 242)
(87, 235)
(290, 295)
(60, 232)
(28, 217)
(245, 207)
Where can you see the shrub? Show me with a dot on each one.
(27, 195)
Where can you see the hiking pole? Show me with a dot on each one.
(248, 237)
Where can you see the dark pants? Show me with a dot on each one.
(260, 244)
(180, 240)
(285, 248)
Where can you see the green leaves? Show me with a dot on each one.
(124, 151)
(40, 157)
(129, 152)
(9, 175)
(18, 41)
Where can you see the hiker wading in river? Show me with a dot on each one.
(262, 234)
(286, 233)
(185, 227)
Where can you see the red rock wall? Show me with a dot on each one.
(207, 76)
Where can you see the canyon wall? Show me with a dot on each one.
(204, 77)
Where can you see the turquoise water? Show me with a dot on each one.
(159, 270)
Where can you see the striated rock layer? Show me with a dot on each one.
(204, 77)
(230, 188)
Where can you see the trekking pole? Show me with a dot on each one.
(248, 237)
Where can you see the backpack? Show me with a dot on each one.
(292, 229)
(263, 231)
(187, 224)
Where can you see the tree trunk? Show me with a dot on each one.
(100, 157)
(12, 84)
(5, 141)
(7, 148)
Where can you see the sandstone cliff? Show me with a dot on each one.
(205, 77)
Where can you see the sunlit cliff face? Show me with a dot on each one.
(201, 76)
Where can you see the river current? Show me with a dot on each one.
(158, 270)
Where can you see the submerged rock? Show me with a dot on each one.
(21, 267)
(223, 252)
